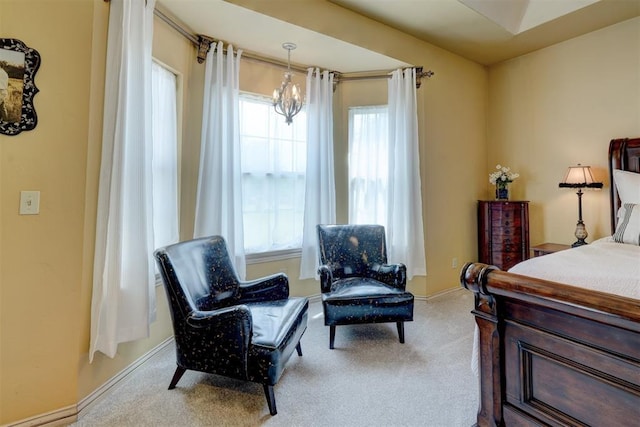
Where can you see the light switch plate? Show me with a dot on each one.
(29, 202)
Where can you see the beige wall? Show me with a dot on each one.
(567, 100)
(558, 107)
(42, 255)
(542, 112)
(46, 260)
(46, 264)
(452, 118)
(452, 121)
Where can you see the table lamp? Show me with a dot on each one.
(579, 177)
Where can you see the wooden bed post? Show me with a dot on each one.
(473, 278)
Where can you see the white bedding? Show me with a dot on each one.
(603, 265)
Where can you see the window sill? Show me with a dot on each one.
(259, 258)
(273, 256)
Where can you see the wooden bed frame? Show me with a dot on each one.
(552, 354)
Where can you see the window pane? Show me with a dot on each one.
(368, 165)
(165, 156)
(273, 176)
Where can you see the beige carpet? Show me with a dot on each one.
(370, 379)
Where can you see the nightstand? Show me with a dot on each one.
(548, 248)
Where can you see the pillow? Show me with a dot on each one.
(628, 228)
(628, 185)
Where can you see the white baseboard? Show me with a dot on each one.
(59, 417)
(441, 293)
(67, 415)
(109, 386)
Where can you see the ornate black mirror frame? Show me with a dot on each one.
(20, 64)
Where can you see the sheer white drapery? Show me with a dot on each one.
(165, 157)
(219, 196)
(405, 233)
(320, 192)
(123, 301)
(369, 165)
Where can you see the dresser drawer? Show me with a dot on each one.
(507, 211)
(507, 246)
(503, 232)
(506, 221)
(506, 260)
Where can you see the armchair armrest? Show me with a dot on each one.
(227, 330)
(326, 277)
(269, 288)
(237, 317)
(392, 274)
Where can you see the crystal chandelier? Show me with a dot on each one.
(287, 99)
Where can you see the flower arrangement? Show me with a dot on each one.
(502, 176)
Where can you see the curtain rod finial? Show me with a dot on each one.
(204, 44)
(420, 74)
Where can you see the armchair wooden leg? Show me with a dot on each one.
(271, 400)
(176, 377)
(401, 331)
(332, 335)
(299, 349)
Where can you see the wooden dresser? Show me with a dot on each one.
(503, 232)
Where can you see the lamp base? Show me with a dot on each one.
(578, 243)
(581, 234)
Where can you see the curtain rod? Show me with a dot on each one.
(203, 44)
(173, 24)
(419, 75)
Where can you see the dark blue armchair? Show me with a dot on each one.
(357, 284)
(239, 329)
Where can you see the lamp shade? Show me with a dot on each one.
(579, 177)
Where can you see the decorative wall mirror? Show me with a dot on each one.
(18, 66)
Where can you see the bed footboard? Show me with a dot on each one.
(553, 354)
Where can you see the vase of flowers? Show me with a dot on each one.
(501, 178)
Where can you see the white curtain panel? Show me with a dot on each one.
(123, 303)
(405, 235)
(165, 157)
(320, 188)
(219, 196)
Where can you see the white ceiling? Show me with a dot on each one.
(264, 35)
(517, 16)
(484, 31)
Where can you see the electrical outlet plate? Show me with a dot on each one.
(29, 202)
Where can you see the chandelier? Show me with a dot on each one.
(287, 99)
